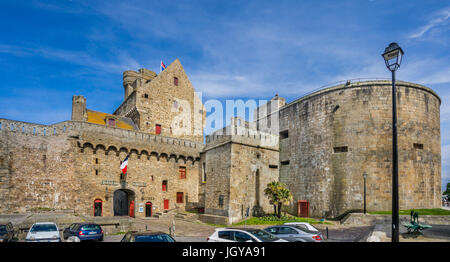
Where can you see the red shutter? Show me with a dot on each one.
(158, 129)
(164, 185)
(179, 197)
(166, 203)
(182, 172)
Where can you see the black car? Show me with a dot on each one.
(6, 232)
(148, 236)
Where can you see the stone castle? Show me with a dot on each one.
(325, 142)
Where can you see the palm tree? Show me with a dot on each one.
(278, 195)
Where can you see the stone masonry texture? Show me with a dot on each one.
(337, 134)
(327, 140)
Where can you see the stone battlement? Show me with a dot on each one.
(72, 127)
(242, 135)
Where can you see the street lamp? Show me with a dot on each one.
(393, 57)
(365, 177)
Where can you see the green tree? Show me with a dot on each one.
(446, 193)
(278, 196)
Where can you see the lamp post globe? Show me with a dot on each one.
(393, 55)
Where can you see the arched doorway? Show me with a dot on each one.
(124, 202)
(148, 209)
(98, 207)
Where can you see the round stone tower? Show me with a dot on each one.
(333, 136)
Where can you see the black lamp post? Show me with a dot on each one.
(393, 57)
(365, 177)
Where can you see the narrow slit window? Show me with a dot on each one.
(418, 146)
(273, 166)
(175, 81)
(284, 134)
(340, 149)
(284, 163)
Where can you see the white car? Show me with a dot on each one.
(43, 232)
(304, 225)
(242, 235)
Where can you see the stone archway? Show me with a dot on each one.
(124, 202)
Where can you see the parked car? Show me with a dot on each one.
(6, 232)
(147, 236)
(304, 225)
(84, 231)
(294, 233)
(242, 235)
(43, 232)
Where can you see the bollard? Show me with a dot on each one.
(327, 233)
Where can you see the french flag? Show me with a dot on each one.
(163, 66)
(124, 165)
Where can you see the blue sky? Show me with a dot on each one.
(51, 50)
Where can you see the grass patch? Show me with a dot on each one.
(274, 220)
(432, 212)
(118, 233)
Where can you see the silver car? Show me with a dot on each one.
(295, 233)
(43, 232)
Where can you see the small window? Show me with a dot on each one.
(221, 201)
(111, 122)
(204, 173)
(284, 134)
(145, 95)
(286, 162)
(96, 160)
(158, 129)
(180, 197)
(340, 149)
(164, 185)
(418, 146)
(96, 172)
(273, 166)
(175, 81)
(182, 172)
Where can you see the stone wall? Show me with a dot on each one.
(239, 163)
(70, 164)
(162, 100)
(333, 136)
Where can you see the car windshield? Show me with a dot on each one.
(262, 235)
(154, 238)
(90, 227)
(2, 229)
(44, 228)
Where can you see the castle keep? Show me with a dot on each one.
(325, 142)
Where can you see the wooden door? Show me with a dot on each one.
(148, 209)
(132, 208)
(166, 203)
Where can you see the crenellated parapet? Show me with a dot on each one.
(242, 135)
(110, 139)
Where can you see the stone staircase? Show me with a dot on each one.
(186, 216)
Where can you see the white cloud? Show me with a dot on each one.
(123, 60)
(439, 20)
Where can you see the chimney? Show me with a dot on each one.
(79, 112)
